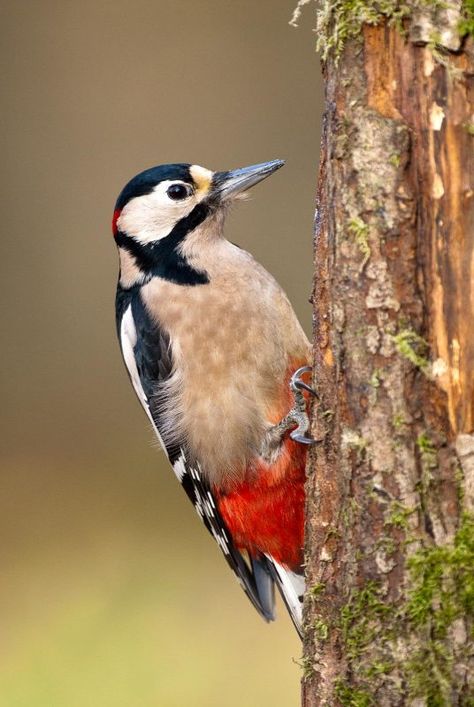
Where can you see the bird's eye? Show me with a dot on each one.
(178, 192)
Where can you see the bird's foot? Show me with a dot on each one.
(297, 416)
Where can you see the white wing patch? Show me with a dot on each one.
(128, 339)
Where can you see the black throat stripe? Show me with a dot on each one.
(163, 259)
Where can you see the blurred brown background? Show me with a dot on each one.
(112, 594)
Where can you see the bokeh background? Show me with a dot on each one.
(111, 593)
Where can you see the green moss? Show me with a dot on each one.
(443, 582)
(394, 159)
(360, 230)
(375, 378)
(387, 544)
(428, 458)
(321, 630)
(399, 421)
(317, 590)
(365, 621)
(413, 347)
(306, 665)
(466, 26)
(398, 515)
(359, 618)
(341, 20)
(459, 481)
(441, 590)
(379, 667)
(469, 128)
(427, 449)
(338, 21)
(349, 697)
(427, 674)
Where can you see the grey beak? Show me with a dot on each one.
(229, 184)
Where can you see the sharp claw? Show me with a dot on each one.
(299, 372)
(298, 384)
(301, 439)
(304, 386)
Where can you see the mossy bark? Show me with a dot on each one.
(390, 494)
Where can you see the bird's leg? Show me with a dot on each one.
(297, 416)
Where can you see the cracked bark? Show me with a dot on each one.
(393, 365)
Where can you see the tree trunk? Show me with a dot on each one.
(390, 493)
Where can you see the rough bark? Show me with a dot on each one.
(390, 494)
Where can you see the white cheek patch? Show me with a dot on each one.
(153, 216)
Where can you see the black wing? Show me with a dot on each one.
(146, 350)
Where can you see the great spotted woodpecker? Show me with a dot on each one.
(216, 356)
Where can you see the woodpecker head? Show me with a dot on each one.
(160, 207)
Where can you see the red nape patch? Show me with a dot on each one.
(115, 218)
(266, 515)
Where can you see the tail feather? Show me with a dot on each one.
(291, 586)
(265, 586)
